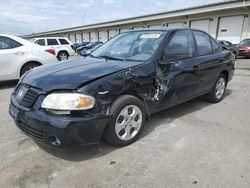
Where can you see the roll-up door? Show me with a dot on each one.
(230, 28)
(201, 24)
(93, 36)
(175, 25)
(113, 33)
(78, 37)
(103, 36)
(138, 27)
(85, 37)
(72, 38)
(124, 30)
(156, 26)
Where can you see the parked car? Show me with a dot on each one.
(87, 52)
(111, 93)
(244, 48)
(88, 46)
(17, 56)
(226, 45)
(62, 46)
(77, 45)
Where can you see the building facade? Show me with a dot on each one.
(224, 21)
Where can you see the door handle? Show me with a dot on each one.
(19, 53)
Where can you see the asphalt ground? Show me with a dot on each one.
(196, 144)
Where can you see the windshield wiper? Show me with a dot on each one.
(90, 55)
(111, 58)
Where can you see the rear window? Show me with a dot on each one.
(52, 42)
(246, 42)
(203, 43)
(7, 43)
(40, 42)
(63, 41)
(216, 47)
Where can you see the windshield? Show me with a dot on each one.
(133, 46)
(247, 42)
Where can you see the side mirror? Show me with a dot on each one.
(163, 60)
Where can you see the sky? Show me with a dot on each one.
(19, 17)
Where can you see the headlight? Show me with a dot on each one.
(68, 101)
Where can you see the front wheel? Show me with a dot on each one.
(28, 67)
(127, 122)
(218, 91)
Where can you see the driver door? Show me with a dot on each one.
(179, 70)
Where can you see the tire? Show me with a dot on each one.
(28, 67)
(235, 54)
(62, 56)
(215, 95)
(124, 128)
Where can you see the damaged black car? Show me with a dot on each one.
(111, 93)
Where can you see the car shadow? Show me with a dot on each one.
(83, 153)
(8, 84)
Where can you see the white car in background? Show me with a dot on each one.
(18, 56)
(62, 46)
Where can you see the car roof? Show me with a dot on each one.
(165, 30)
(50, 38)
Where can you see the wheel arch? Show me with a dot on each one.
(226, 74)
(29, 62)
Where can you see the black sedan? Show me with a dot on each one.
(226, 45)
(113, 92)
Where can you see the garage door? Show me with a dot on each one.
(85, 37)
(113, 33)
(78, 37)
(124, 30)
(93, 36)
(103, 36)
(201, 24)
(138, 28)
(230, 28)
(156, 26)
(175, 25)
(72, 38)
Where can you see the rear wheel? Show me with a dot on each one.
(218, 91)
(62, 56)
(28, 67)
(127, 122)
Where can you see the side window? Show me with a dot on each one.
(40, 42)
(216, 47)
(7, 43)
(181, 45)
(203, 43)
(63, 41)
(52, 42)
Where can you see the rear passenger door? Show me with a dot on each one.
(210, 60)
(54, 44)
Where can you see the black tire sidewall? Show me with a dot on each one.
(116, 108)
(59, 54)
(26, 67)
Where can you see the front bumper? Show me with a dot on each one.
(45, 127)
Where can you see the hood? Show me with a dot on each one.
(243, 46)
(72, 74)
